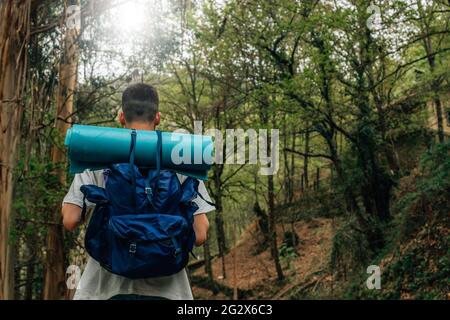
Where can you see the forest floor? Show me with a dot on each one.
(250, 269)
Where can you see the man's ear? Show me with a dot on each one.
(157, 119)
(122, 118)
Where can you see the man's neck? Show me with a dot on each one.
(141, 126)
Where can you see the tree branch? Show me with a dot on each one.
(309, 155)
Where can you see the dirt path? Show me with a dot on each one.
(255, 271)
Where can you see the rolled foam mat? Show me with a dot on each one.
(94, 148)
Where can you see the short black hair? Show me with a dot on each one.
(140, 102)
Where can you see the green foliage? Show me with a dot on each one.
(435, 167)
(350, 250)
(409, 277)
(425, 195)
(418, 249)
(36, 196)
(313, 70)
(288, 255)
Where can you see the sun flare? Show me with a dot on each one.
(130, 16)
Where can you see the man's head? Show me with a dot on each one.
(140, 105)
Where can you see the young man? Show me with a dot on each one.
(139, 111)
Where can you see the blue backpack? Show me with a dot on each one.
(142, 225)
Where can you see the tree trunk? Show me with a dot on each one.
(272, 220)
(291, 184)
(30, 280)
(428, 46)
(14, 31)
(208, 265)
(54, 278)
(289, 164)
(220, 230)
(272, 228)
(306, 160)
(439, 117)
(287, 174)
(317, 178)
(377, 185)
(235, 288)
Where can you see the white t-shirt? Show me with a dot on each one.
(96, 283)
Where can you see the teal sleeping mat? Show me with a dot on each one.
(95, 148)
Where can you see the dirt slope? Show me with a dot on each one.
(255, 272)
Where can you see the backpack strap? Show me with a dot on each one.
(132, 171)
(151, 188)
(83, 210)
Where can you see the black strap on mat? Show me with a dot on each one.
(132, 171)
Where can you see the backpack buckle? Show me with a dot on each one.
(149, 191)
(177, 250)
(133, 248)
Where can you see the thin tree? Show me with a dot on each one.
(54, 280)
(14, 35)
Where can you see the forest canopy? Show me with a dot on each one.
(359, 92)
